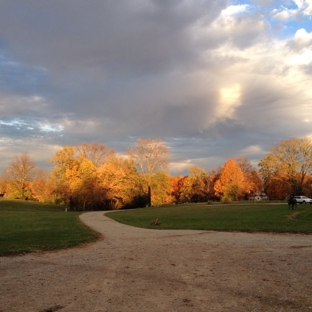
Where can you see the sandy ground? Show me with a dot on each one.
(133, 269)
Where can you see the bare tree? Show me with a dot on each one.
(149, 155)
(95, 152)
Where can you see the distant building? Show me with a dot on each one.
(258, 196)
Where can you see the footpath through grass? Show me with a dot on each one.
(27, 226)
(245, 217)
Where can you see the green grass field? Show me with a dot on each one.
(245, 217)
(27, 226)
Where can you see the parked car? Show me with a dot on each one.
(303, 200)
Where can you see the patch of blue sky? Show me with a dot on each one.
(285, 17)
(289, 28)
(25, 125)
(16, 123)
(50, 128)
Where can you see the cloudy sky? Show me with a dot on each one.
(214, 79)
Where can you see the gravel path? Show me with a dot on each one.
(134, 269)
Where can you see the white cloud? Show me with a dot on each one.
(230, 99)
(213, 76)
(282, 16)
(303, 36)
(235, 9)
(48, 127)
(178, 167)
(252, 150)
(305, 6)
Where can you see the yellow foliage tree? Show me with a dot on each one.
(82, 180)
(149, 155)
(291, 158)
(20, 173)
(119, 180)
(197, 185)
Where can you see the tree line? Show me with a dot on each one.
(93, 177)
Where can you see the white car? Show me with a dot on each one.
(303, 200)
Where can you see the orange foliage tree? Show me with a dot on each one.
(41, 188)
(197, 186)
(177, 186)
(252, 181)
(231, 184)
(278, 187)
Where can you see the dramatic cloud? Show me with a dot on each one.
(213, 79)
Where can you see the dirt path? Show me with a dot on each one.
(135, 269)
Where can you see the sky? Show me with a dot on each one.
(213, 79)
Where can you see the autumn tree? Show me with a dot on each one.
(307, 187)
(162, 192)
(252, 180)
(41, 187)
(149, 155)
(268, 170)
(292, 158)
(89, 176)
(119, 181)
(21, 171)
(81, 178)
(196, 186)
(230, 185)
(95, 152)
(278, 187)
(63, 160)
(177, 187)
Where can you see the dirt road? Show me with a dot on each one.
(133, 269)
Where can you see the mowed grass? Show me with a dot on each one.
(27, 226)
(245, 217)
(30, 226)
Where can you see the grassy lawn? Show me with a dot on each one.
(246, 217)
(30, 226)
(27, 226)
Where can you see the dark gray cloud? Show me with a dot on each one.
(207, 77)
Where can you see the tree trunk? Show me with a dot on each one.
(149, 196)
